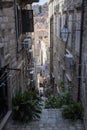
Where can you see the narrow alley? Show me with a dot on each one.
(43, 64)
(51, 119)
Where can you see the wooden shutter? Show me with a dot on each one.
(27, 21)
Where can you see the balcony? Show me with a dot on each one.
(24, 2)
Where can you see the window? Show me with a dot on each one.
(24, 21)
(27, 21)
(78, 24)
(85, 69)
(55, 24)
(63, 20)
(58, 25)
(70, 30)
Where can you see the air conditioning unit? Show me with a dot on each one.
(30, 51)
(69, 61)
(30, 54)
(29, 70)
(27, 43)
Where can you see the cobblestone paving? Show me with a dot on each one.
(51, 119)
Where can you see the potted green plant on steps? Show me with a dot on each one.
(73, 111)
(26, 106)
(58, 101)
(61, 86)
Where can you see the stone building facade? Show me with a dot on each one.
(68, 55)
(16, 56)
(84, 64)
(8, 76)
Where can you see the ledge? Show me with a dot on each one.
(5, 119)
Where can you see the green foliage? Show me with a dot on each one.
(65, 98)
(73, 111)
(61, 85)
(26, 106)
(48, 92)
(58, 101)
(70, 87)
(52, 102)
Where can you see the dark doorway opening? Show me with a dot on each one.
(3, 93)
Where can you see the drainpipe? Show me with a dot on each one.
(16, 26)
(80, 52)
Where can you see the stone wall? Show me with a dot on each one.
(60, 48)
(84, 67)
(8, 41)
(9, 44)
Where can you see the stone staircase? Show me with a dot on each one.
(51, 119)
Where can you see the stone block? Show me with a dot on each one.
(42, 129)
(5, 19)
(72, 128)
(3, 26)
(1, 19)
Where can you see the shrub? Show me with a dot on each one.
(58, 101)
(66, 98)
(52, 102)
(61, 85)
(26, 106)
(73, 111)
(48, 92)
